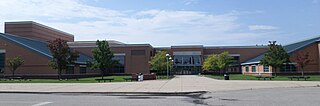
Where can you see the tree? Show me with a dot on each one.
(218, 62)
(14, 64)
(302, 59)
(275, 56)
(159, 61)
(62, 55)
(210, 63)
(102, 58)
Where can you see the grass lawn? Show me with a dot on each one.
(81, 80)
(249, 77)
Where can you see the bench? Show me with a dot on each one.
(127, 79)
(264, 78)
(298, 77)
(104, 80)
(18, 78)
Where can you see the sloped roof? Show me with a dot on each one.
(289, 48)
(37, 46)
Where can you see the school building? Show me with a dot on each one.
(29, 41)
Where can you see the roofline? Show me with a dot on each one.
(41, 25)
(26, 45)
(317, 36)
(120, 45)
(255, 62)
(221, 47)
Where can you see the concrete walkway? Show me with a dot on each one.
(185, 83)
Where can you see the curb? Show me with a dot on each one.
(193, 93)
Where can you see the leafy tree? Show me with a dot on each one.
(159, 61)
(14, 64)
(218, 62)
(102, 58)
(302, 59)
(275, 56)
(210, 63)
(62, 55)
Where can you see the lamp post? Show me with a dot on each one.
(168, 58)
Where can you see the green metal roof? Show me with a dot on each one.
(289, 48)
(37, 46)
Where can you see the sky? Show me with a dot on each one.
(173, 22)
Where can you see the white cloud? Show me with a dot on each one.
(190, 2)
(158, 27)
(261, 27)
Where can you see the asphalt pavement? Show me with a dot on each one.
(299, 96)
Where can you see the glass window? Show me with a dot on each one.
(253, 68)
(70, 70)
(83, 69)
(187, 60)
(120, 67)
(2, 60)
(265, 68)
(247, 68)
(288, 68)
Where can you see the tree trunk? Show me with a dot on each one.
(302, 71)
(13, 72)
(59, 74)
(275, 71)
(102, 74)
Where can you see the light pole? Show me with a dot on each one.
(168, 58)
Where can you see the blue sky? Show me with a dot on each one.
(173, 22)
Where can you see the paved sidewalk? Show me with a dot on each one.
(187, 83)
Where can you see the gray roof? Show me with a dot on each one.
(289, 48)
(37, 46)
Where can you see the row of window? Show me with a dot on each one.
(284, 68)
(187, 60)
(254, 68)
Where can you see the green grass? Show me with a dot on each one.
(249, 77)
(81, 80)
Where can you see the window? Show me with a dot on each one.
(288, 68)
(83, 69)
(70, 70)
(253, 68)
(2, 62)
(247, 68)
(138, 52)
(265, 68)
(187, 60)
(120, 67)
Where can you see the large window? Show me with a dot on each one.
(120, 67)
(265, 68)
(2, 62)
(70, 70)
(82, 69)
(187, 60)
(288, 68)
(253, 68)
